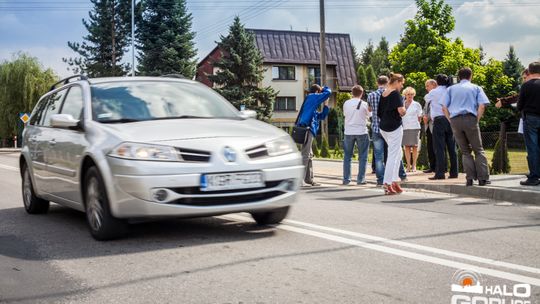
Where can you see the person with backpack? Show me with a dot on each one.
(310, 117)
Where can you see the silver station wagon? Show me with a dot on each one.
(131, 148)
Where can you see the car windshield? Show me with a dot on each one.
(131, 101)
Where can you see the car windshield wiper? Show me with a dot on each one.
(121, 120)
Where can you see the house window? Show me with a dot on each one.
(283, 73)
(314, 75)
(285, 104)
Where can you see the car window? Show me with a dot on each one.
(148, 100)
(52, 107)
(37, 114)
(73, 104)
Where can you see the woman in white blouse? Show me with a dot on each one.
(411, 128)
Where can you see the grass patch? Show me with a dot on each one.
(518, 160)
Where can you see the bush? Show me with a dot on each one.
(338, 152)
(325, 148)
(423, 158)
(500, 164)
(315, 148)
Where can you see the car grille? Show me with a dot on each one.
(194, 155)
(197, 190)
(229, 200)
(257, 152)
(241, 198)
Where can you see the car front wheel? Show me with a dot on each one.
(270, 217)
(103, 225)
(32, 203)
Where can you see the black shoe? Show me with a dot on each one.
(314, 184)
(453, 176)
(428, 171)
(483, 182)
(530, 182)
(436, 177)
(469, 183)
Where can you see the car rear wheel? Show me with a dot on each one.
(103, 225)
(270, 217)
(32, 203)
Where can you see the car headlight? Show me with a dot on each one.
(280, 146)
(137, 151)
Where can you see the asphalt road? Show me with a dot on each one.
(341, 244)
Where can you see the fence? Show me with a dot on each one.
(515, 142)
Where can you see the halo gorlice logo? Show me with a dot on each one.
(467, 288)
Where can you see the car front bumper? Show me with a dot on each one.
(135, 195)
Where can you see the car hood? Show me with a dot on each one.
(189, 129)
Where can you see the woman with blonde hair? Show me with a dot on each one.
(411, 128)
(390, 111)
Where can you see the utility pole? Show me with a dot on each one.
(132, 38)
(323, 60)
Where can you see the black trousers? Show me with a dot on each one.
(430, 151)
(443, 141)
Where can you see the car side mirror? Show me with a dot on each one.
(63, 121)
(248, 114)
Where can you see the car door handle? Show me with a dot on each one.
(52, 142)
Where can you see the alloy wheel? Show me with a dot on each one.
(94, 210)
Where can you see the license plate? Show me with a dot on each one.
(231, 181)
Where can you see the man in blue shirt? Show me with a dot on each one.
(464, 105)
(309, 116)
(379, 145)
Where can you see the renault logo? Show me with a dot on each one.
(230, 154)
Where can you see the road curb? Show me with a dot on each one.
(10, 149)
(493, 193)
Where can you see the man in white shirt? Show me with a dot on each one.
(356, 113)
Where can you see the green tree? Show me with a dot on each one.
(496, 84)
(371, 79)
(166, 40)
(367, 54)
(456, 56)
(335, 121)
(424, 40)
(380, 62)
(500, 164)
(103, 48)
(356, 58)
(513, 67)
(240, 71)
(361, 76)
(341, 97)
(22, 82)
(417, 80)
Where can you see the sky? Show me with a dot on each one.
(42, 28)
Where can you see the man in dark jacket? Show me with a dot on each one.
(310, 116)
(529, 105)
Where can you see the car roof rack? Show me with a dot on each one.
(174, 76)
(66, 80)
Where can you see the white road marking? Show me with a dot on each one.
(408, 254)
(420, 247)
(9, 168)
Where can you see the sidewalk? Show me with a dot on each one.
(9, 150)
(502, 188)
